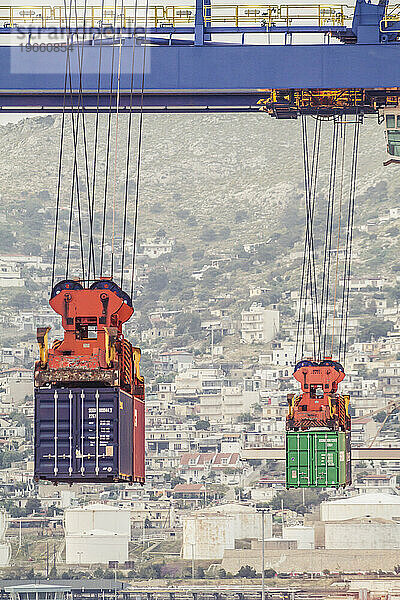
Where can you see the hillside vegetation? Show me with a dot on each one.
(212, 183)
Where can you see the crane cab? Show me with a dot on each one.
(391, 117)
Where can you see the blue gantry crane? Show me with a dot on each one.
(191, 67)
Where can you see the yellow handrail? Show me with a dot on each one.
(175, 15)
(392, 13)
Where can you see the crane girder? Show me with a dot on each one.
(203, 73)
(197, 78)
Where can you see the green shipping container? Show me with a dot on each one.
(318, 458)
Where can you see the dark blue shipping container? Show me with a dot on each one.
(84, 435)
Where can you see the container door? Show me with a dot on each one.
(327, 459)
(55, 415)
(139, 439)
(97, 432)
(125, 435)
(342, 457)
(299, 459)
(348, 458)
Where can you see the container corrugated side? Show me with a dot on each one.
(317, 458)
(348, 458)
(139, 435)
(84, 434)
(327, 457)
(299, 459)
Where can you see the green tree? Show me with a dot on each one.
(293, 500)
(182, 213)
(244, 418)
(207, 234)
(222, 573)
(200, 573)
(32, 248)
(374, 328)
(270, 573)
(151, 572)
(33, 505)
(187, 323)
(198, 254)
(176, 481)
(20, 301)
(44, 196)
(202, 425)
(247, 572)
(7, 238)
(158, 281)
(241, 215)
(156, 208)
(380, 416)
(30, 574)
(98, 573)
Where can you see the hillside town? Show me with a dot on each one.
(217, 372)
(217, 296)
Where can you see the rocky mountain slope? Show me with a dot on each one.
(211, 182)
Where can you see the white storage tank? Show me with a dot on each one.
(95, 547)
(362, 534)
(304, 536)
(246, 520)
(3, 524)
(206, 536)
(374, 506)
(98, 517)
(5, 554)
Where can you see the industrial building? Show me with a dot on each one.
(371, 534)
(303, 536)
(377, 505)
(209, 532)
(5, 547)
(355, 533)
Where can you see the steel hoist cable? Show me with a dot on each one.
(342, 165)
(60, 157)
(311, 281)
(328, 244)
(90, 259)
(82, 114)
(108, 147)
(116, 149)
(91, 251)
(349, 242)
(139, 156)
(75, 123)
(316, 285)
(75, 188)
(308, 278)
(128, 150)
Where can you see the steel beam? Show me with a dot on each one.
(50, 102)
(186, 75)
(171, 29)
(356, 454)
